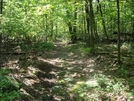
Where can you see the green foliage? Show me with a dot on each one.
(132, 45)
(9, 87)
(25, 47)
(43, 46)
(3, 71)
(85, 51)
(122, 72)
(100, 87)
(102, 82)
(9, 96)
(38, 46)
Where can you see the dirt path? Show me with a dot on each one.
(51, 76)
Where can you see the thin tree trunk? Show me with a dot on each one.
(46, 28)
(132, 14)
(88, 22)
(103, 21)
(1, 8)
(91, 26)
(75, 25)
(118, 11)
(72, 27)
(95, 28)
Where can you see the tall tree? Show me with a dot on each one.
(87, 19)
(119, 43)
(91, 26)
(1, 8)
(72, 23)
(132, 5)
(102, 18)
(90, 23)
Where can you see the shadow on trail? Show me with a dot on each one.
(62, 74)
(39, 80)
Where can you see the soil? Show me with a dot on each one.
(41, 74)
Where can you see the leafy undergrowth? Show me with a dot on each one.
(38, 46)
(72, 73)
(9, 88)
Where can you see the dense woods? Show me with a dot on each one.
(77, 34)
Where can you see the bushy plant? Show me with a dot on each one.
(43, 46)
(9, 87)
(38, 46)
(85, 51)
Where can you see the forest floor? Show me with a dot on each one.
(67, 74)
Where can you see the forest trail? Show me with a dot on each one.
(51, 75)
(60, 74)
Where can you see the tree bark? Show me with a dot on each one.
(88, 22)
(75, 25)
(118, 11)
(95, 28)
(132, 18)
(103, 21)
(72, 26)
(91, 26)
(1, 8)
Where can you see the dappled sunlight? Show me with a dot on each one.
(92, 83)
(32, 70)
(66, 50)
(30, 82)
(65, 74)
(51, 61)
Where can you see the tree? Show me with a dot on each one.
(119, 43)
(1, 8)
(91, 26)
(132, 5)
(72, 26)
(90, 23)
(102, 18)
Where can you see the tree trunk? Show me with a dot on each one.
(103, 21)
(88, 23)
(133, 17)
(1, 8)
(75, 26)
(72, 26)
(118, 11)
(95, 28)
(91, 26)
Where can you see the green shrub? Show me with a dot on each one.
(43, 46)
(37, 46)
(85, 51)
(9, 87)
